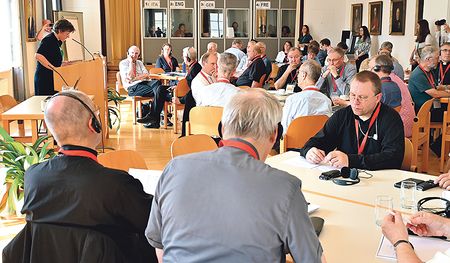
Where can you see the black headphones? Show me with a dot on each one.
(279, 131)
(348, 173)
(139, 56)
(96, 125)
(188, 55)
(162, 49)
(445, 212)
(377, 68)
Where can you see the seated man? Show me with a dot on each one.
(312, 53)
(344, 48)
(336, 78)
(308, 102)
(287, 74)
(252, 75)
(244, 210)
(379, 142)
(266, 60)
(207, 75)
(74, 189)
(245, 61)
(219, 93)
(325, 47)
(382, 66)
(386, 49)
(236, 49)
(134, 77)
(211, 48)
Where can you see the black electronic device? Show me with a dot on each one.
(50, 25)
(418, 181)
(377, 68)
(352, 174)
(440, 22)
(318, 223)
(330, 175)
(442, 211)
(426, 185)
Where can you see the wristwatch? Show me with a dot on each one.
(447, 87)
(402, 241)
(337, 77)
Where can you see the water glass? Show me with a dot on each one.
(408, 195)
(383, 203)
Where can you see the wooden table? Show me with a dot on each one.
(350, 233)
(165, 77)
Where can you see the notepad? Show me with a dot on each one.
(148, 178)
(425, 247)
(300, 161)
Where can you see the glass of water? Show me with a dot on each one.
(383, 203)
(408, 195)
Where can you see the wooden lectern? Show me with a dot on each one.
(92, 82)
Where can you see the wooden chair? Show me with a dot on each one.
(156, 71)
(122, 160)
(192, 144)
(180, 91)
(135, 100)
(407, 158)
(445, 138)
(398, 108)
(270, 81)
(23, 135)
(421, 135)
(300, 130)
(261, 81)
(204, 120)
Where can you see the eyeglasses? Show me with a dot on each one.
(445, 50)
(359, 98)
(333, 60)
(291, 57)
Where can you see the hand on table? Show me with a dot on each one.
(341, 102)
(66, 63)
(315, 155)
(336, 158)
(393, 228)
(443, 180)
(429, 224)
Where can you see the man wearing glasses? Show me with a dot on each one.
(367, 135)
(287, 74)
(336, 77)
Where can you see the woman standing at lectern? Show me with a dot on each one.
(50, 55)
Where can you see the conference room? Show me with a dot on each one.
(348, 211)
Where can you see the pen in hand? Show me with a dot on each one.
(405, 219)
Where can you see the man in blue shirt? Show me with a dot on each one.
(382, 66)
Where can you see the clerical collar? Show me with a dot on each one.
(240, 144)
(75, 150)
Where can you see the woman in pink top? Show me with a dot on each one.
(407, 111)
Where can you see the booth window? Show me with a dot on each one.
(266, 23)
(287, 23)
(156, 22)
(182, 22)
(10, 53)
(212, 23)
(237, 23)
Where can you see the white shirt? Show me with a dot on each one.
(440, 257)
(199, 82)
(237, 52)
(243, 65)
(305, 103)
(124, 67)
(280, 57)
(217, 94)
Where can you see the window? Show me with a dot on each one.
(287, 23)
(155, 22)
(212, 23)
(237, 23)
(10, 49)
(266, 23)
(182, 22)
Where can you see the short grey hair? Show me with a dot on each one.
(190, 52)
(70, 118)
(252, 112)
(226, 63)
(211, 44)
(427, 52)
(337, 50)
(261, 44)
(386, 45)
(237, 41)
(312, 69)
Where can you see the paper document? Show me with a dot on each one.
(148, 178)
(425, 247)
(312, 208)
(300, 161)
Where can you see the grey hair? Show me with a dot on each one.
(312, 69)
(129, 50)
(337, 50)
(386, 45)
(427, 52)
(70, 118)
(251, 113)
(226, 63)
(190, 52)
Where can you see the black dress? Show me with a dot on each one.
(50, 48)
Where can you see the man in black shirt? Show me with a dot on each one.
(252, 75)
(287, 74)
(366, 135)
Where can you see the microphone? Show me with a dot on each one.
(84, 48)
(59, 75)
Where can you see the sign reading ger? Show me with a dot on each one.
(177, 4)
(207, 4)
(151, 4)
(263, 5)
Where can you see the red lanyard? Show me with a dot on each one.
(293, 78)
(78, 153)
(363, 143)
(386, 80)
(203, 74)
(431, 80)
(170, 63)
(443, 74)
(265, 56)
(239, 145)
(340, 75)
(223, 80)
(311, 88)
(191, 66)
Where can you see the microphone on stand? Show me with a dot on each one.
(84, 48)
(59, 75)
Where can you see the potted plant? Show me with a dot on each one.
(18, 157)
(113, 110)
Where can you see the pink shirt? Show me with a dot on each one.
(407, 111)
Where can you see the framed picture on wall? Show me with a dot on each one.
(397, 17)
(356, 18)
(30, 19)
(419, 14)
(375, 15)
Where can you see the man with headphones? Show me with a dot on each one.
(229, 204)
(135, 81)
(382, 66)
(74, 189)
(366, 135)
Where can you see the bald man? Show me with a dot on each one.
(256, 69)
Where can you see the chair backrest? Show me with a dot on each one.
(122, 160)
(156, 70)
(192, 144)
(261, 81)
(7, 102)
(407, 158)
(422, 116)
(274, 72)
(182, 88)
(398, 108)
(303, 128)
(205, 120)
(119, 86)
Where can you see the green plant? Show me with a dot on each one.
(18, 157)
(113, 110)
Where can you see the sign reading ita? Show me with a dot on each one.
(150, 4)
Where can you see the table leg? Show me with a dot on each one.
(6, 126)
(34, 131)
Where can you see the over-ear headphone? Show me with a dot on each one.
(348, 173)
(188, 55)
(377, 68)
(139, 56)
(438, 211)
(279, 131)
(96, 125)
(162, 49)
